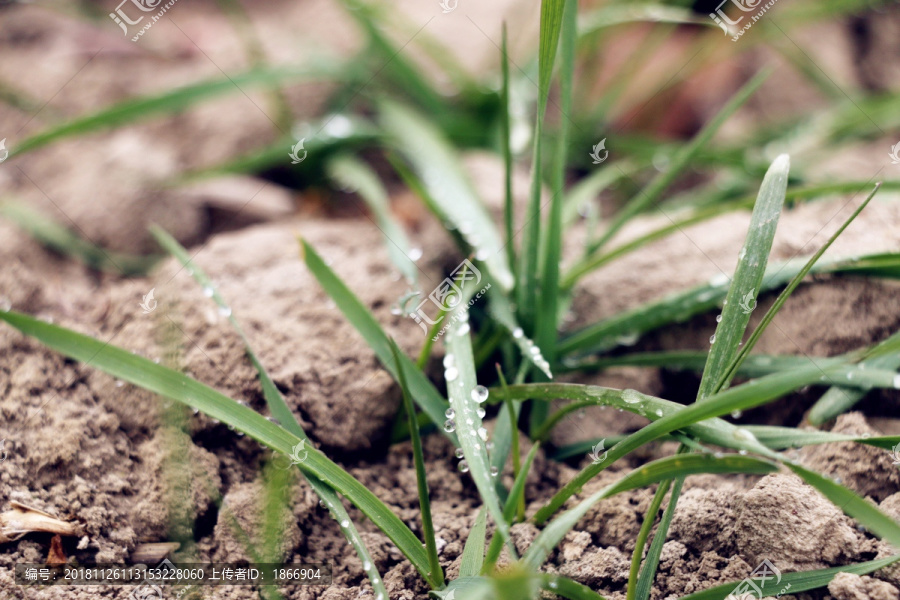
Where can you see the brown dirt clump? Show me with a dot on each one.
(789, 523)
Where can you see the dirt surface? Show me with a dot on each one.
(83, 447)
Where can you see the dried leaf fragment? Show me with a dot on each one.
(23, 519)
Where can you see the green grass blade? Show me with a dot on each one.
(423, 391)
(527, 272)
(839, 399)
(612, 15)
(275, 401)
(512, 418)
(711, 431)
(586, 191)
(502, 311)
(751, 394)
(398, 70)
(661, 182)
(748, 276)
(56, 237)
(643, 534)
(517, 491)
(506, 149)
(437, 574)
(652, 472)
(779, 438)
(473, 553)
(138, 109)
(551, 243)
(351, 172)
(461, 387)
(726, 377)
(867, 514)
(651, 562)
(683, 305)
(567, 588)
(438, 167)
(278, 408)
(161, 380)
(799, 582)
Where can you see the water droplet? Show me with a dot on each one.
(720, 279)
(322, 503)
(489, 445)
(482, 433)
(850, 375)
(225, 311)
(743, 435)
(482, 254)
(659, 412)
(367, 565)
(736, 414)
(458, 453)
(345, 523)
(742, 452)
(451, 374)
(535, 350)
(631, 396)
(449, 361)
(553, 585)
(449, 425)
(450, 413)
(196, 411)
(463, 466)
(494, 471)
(208, 291)
(119, 383)
(480, 394)
(463, 329)
(415, 254)
(5, 305)
(518, 333)
(480, 412)
(628, 339)
(718, 318)
(712, 339)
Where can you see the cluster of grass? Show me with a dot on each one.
(518, 326)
